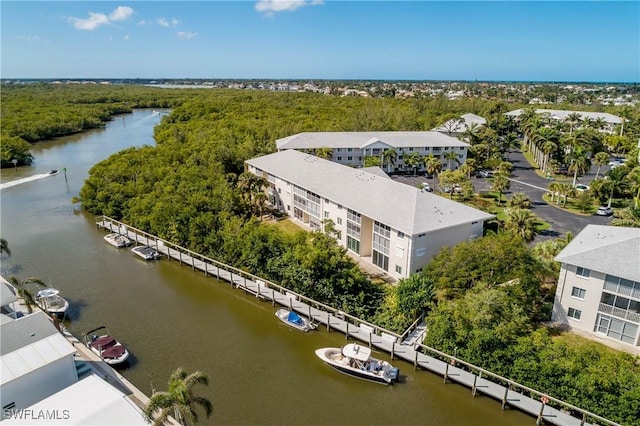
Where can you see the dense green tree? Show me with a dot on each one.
(500, 182)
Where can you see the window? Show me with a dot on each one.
(380, 260)
(349, 149)
(400, 234)
(326, 214)
(339, 221)
(574, 313)
(421, 252)
(578, 293)
(339, 158)
(582, 272)
(349, 158)
(399, 269)
(353, 245)
(399, 252)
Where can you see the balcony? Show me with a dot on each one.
(619, 313)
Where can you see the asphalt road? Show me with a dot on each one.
(524, 179)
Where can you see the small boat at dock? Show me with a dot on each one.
(51, 302)
(355, 360)
(118, 240)
(294, 320)
(146, 252)
(105, 346)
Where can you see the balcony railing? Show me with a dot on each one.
(619, 313)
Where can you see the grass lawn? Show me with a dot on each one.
(286, 225)
(487, 202)
(572, 206)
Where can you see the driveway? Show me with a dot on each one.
(524, 179)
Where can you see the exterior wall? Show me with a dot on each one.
(590, 306)
(426, 245)
(39, 384)
(587, 306)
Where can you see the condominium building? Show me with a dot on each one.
(396, 227)
(610, 121)
(351, 148)
(457, 126)
(599, 286)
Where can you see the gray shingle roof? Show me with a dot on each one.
(312, 140)
(25, 331)
(562, 114)
(608, 249)
(403, 207)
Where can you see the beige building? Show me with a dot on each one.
(599, 286)
(396, 227)
(350, 148)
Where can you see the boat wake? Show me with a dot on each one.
(24, 180)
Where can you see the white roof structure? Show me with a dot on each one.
(562, 115)
(91, 401)
(361, 140)
(459, 127)
(403, 207)
(608, 249)
(28, 343)
(7, 295)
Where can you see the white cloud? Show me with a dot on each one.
(91, 23)
(126, 38)
(269, 7)
(174, 22)
(121, 13)
(185, 35)
(162, 22)
(97, 19)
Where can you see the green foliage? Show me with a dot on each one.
(13, 148)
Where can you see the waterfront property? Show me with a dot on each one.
(609, 121)
(350, 148)
(394, 226)
(543, 407)
(598, 290)
(457, 126)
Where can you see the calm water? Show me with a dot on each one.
(261, 371)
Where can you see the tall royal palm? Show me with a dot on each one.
(451, 156)
(579, 162)
(433, 166)
(413, 160)
(601, 159)
(178, 401)
(573, 120)
(389, 158)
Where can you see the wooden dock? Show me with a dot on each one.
(544, 408)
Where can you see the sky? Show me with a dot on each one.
(591, 41)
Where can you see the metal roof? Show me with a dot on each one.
(7, 294)
(29, 343)
(403, 207)
(611, 250)
(562, 115)
(467, 121)
(359, 140)
(90, 401)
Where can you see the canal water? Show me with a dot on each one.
(261, 372)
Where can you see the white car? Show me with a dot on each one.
(604, 211)
(582, 188)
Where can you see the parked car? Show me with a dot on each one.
(563, 170)
(425, 187)
(582, 188)
(483, 173)
(604, 211)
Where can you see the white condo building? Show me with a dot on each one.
(394, 226)
(599, 285)
(610, 120)
(350, 148)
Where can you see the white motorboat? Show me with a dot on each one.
(146, 252)
(118, 240)
(105, 346)
(355, 360)
(48, 300)
(294, 320)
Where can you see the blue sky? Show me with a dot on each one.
(314, 39)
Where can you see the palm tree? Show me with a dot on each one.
(601, 159)
(520, 222)
(580, 162)
(554, 189)
(324, 152)
(565, 190)
(4, 247)
(500, 182)
(389, 158)
(468, 167)
(413, 160)
(179, 399)
(451, 156)
(23, 291)
(510, 142)
(433, 165)
(519, 200)
(470, 134)
(573, 119)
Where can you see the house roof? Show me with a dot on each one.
(467, 120)
(90, 401)
(403, 207)
(7, 295)
(28, 343)
(608, 249)
(358, 140)
(562, 115)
